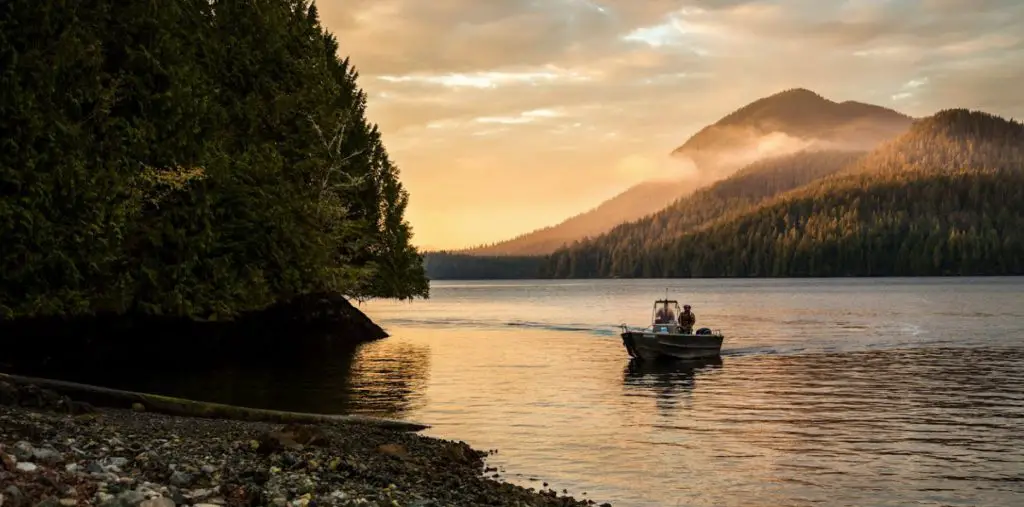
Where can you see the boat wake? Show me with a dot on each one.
(602, 331)
(598, 330)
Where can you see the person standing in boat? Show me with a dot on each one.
(687, 320)
(665, 315)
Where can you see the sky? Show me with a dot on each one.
(504, 116)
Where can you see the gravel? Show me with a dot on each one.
(59, 453)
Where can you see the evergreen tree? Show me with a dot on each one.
(189, 157)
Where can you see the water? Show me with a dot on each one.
(845, 392)
(842, 392)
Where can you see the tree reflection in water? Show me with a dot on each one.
(305, 374)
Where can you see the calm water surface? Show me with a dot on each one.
(842, 392)
(837, 392)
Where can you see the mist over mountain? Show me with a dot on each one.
(786, 122)
(945, 198)
(790, 121)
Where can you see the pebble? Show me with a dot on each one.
(115, 461)
(12, 492)
(131, 498)
(23, 450)
(203, 463)
(26, 466)
(46, 455)
(180, 479)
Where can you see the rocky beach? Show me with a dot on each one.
(55, 451)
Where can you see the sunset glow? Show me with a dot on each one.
(509, 115)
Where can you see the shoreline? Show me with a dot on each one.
(55, 451)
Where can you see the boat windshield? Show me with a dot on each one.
(665, 312)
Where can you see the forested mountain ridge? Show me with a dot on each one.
(189, 158)
(799, 114)
(728, 197)
(946, 198)
(807, 120)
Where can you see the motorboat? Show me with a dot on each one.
(666, 339)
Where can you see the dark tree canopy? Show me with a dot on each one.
(189, 157)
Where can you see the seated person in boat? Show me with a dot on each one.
(687, 319)
(664, 315)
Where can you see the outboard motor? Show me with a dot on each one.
(703, 331)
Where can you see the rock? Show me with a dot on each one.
(94, 468)
(138, 407)
(49, 502)
(130, 499)
(175, 494)
(202, 494)
(180, 479)
(279, 502)
(114, 464)
(208, 469)
(9, 462)
(13, 493)
(396, 450)
(68, 502)
(23, 450)
(46, 455)
(158, 502)
(8, 394)
(71, 468)
(26, 466)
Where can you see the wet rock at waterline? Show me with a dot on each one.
(115, 458)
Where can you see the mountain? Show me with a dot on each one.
(636, 202)
(782, 123)
(739, 192)
(789, 121)
(945, 198)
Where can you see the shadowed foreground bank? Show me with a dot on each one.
(49, 456)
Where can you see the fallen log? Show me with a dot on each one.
(115, 398)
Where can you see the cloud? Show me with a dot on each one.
(458, 86)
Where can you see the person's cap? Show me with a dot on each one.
(686, 306)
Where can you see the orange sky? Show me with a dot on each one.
(508, 115)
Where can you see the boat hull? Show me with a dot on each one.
(650, 346)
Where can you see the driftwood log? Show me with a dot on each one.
(115, 398)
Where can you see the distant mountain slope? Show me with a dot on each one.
(946, 198)
(738, 193)
(780, 124)
(789, 121)
(636, 202)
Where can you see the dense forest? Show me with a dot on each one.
(456, 266)
(946, 198)
(194, 158)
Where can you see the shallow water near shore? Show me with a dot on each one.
(845, 392)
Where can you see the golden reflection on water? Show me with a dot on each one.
(842, 396)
